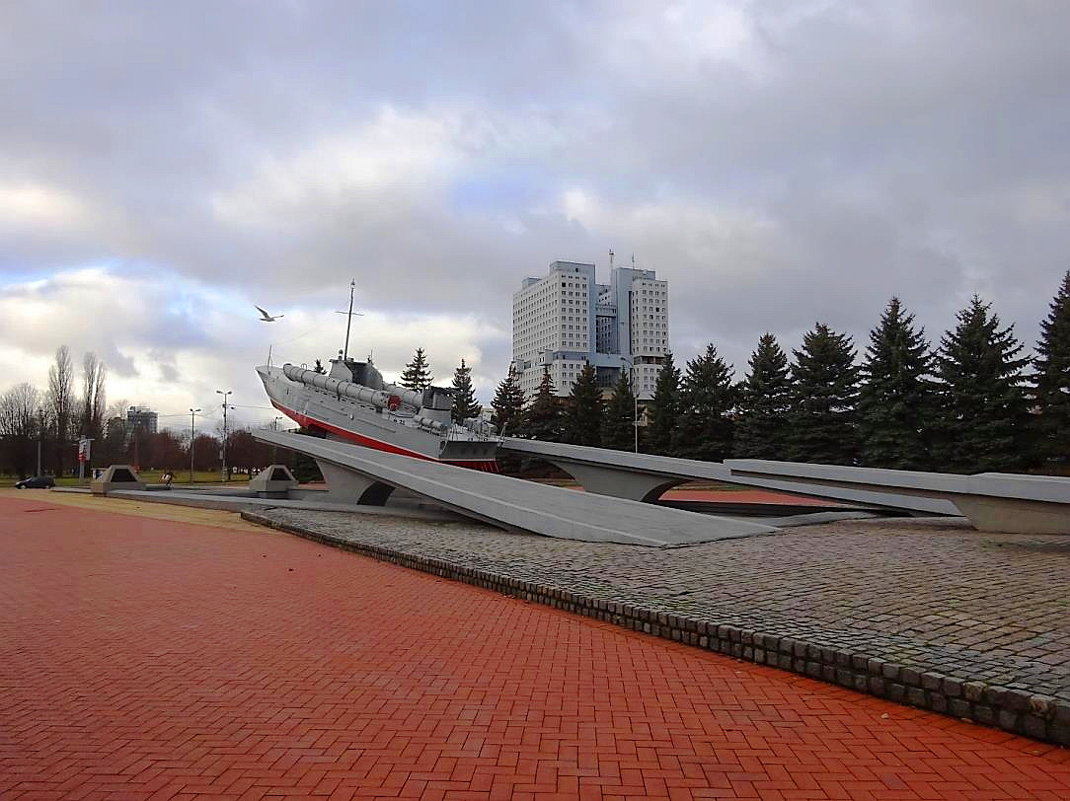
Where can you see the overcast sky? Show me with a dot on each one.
(165, 166)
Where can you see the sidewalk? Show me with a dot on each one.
(144, 658)
(926, 612)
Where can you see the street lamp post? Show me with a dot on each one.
(635, 412)
(635, 405)
(275, 448)
(226, 476)
(40, 437)
(192, 439)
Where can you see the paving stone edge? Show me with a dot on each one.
(1040, 717)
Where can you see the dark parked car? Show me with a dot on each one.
(37, 482)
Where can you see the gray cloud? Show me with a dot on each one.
(778, 163)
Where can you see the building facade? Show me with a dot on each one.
(138, 417)
(566, 319)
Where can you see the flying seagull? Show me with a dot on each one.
(267, 318)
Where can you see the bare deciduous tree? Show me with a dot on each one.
(19, 426)
(91, 404)
(112, 447)
(117, 408)
(61, 402)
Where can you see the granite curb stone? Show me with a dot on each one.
(1016, 710)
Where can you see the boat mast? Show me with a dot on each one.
(349, 317)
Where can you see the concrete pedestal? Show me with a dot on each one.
(116, 477)
(274, 481)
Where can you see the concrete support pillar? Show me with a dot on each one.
(618, 483)
(345, 486)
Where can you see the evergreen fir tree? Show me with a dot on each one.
(704, 428)
(618, 425)
(1051, 382)
(508, 404)
(543, 416)
(824, 394)
(304, 467)
(982, 414)
(417, 374)
(764, 401)
(583, 417)
(895, 402)
(664, 409)
(464, 396)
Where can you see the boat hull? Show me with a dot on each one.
(363, 425)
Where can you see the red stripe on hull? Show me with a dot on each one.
(485, 465)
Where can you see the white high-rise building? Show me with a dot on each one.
(567, 319)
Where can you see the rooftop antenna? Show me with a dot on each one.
(349, 317)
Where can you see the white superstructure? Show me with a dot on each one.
(566, 319)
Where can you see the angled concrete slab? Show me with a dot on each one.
(523, 505)
(1012, 503)
(644, 477)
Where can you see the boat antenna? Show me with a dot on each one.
(349, 317)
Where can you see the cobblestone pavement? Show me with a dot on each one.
(932, 594)
(156, 659)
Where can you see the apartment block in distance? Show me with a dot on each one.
(138, 417)
(566, 319)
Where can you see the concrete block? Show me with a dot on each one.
(959, 708)
(1033, 726)
(916, 696)
(274, 481)
(116, 477)
(973, 690)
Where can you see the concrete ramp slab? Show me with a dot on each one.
(1007, 502)
(522, 505)
(642, 476)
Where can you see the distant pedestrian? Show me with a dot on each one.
(168, 477)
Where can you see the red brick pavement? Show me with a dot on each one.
(147, 659)
(744, 496)
(754, 496)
